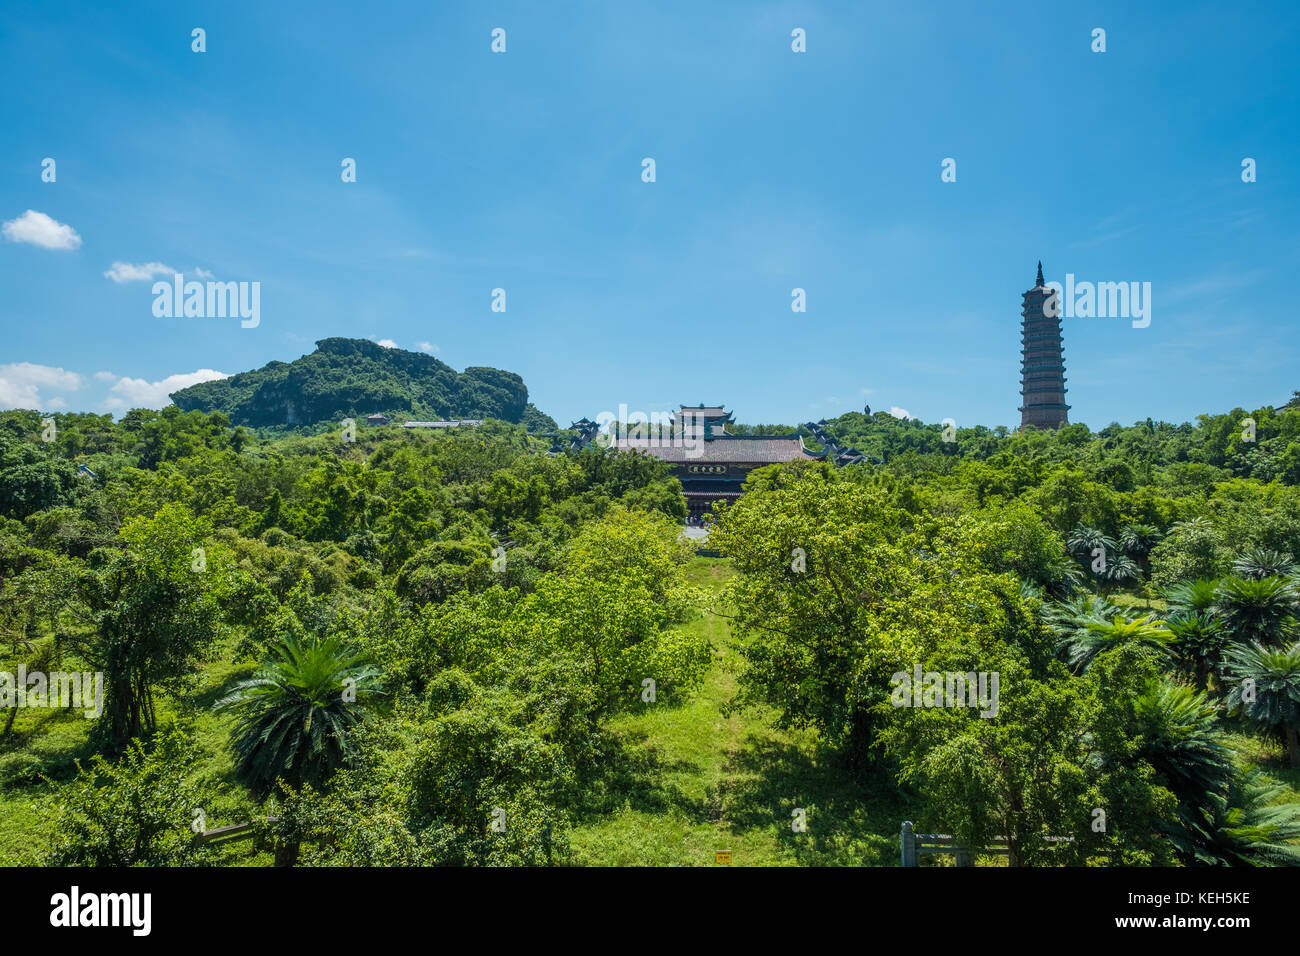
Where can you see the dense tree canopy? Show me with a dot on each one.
(420, 647)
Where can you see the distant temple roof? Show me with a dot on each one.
(752, 450)
(451, 424)
(707, 411)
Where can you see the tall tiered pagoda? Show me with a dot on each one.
(1042, 363)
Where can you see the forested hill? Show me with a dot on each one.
(355, 377)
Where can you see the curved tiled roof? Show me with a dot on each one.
(742, 450)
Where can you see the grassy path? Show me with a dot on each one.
(699, 780)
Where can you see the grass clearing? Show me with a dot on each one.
(700, 780)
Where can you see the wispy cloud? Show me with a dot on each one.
(1211, 287)
(128, 272)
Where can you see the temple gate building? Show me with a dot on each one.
(715, 471)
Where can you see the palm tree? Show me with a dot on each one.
(1192, 597)
(1257, 610)
(1062, 577)
(1138, 539)
(295, 715)
(1181, 738)
(1069, 618)
(1199, 640)
(1266, 689)
(1099, 636)
(1260, 563)
(1119, 569)
(1252, 826)
(1083, 540)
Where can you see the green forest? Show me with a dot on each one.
(461, 648)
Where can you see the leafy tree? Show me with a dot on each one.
(615, 607)
(1192, 549)
(135, 812)
(29, 488)
(155, 615)
(1057, 750)
(1021, 543)
(833, 595)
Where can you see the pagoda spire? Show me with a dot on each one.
(1040, 272)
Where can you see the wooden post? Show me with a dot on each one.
(965, 857)
(907, 843)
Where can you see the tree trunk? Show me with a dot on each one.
(861, 735)
(286, 853)
(1293, 746)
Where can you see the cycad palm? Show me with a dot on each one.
(1083, 541)
(1099, 636)
(1257, 610)
(296, 713)
(1260, 563)
(1181, 738)
(1068, 618)
(1118, 570)
(1266, 689)
(1248, 828)
(1199, 640)
(1138, 539)
(1191, 597)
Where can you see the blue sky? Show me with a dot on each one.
(774, 170)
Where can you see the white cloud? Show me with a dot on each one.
(137, 393)
(898, 412)
(21, 383)
(39, 229)
(127, 272)
(427, 347)
(55, 404)
(105, 377)
(200, 273)
(387, 343)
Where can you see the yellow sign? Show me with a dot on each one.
(722, 856)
